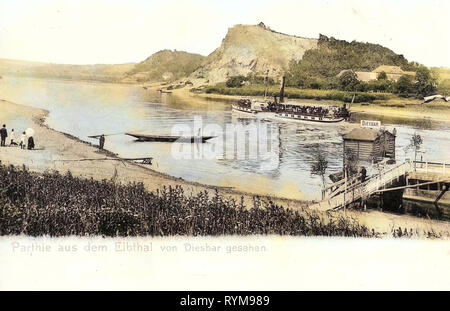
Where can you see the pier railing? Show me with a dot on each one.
(347, 194)
(432, 167)
(344, 192)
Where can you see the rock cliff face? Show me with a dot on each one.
(253, 49)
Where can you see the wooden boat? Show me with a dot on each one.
(170, 138)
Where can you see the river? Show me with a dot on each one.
(83, 109)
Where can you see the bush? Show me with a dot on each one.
(235, 81)
(382, 76)
(404, 85)
(348, 80)
(258, 90)
(253, 78)
(56, 205)
(425, 84)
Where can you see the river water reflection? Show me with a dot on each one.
(84, 109)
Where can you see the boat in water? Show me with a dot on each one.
(170, 138)
(309, 118)
(293, 111)
(243, 105)
(319, 114)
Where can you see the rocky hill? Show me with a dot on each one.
(246, 49)
(253, 49)
(165, 65)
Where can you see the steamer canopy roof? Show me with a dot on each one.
(364, 134)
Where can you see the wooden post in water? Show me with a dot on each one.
(283, 81)
(345, 188)
(265, 82)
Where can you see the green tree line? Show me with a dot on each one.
(318, 69)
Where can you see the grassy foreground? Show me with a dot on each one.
(56, 205)
(258, 90)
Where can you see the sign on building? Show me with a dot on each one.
(370, 124)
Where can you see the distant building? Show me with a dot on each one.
(370, 144)
(393, 73)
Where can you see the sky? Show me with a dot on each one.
(123, 31)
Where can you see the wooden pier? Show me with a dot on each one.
(342, 193)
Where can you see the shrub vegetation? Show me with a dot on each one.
(258, 90)
(61, 205)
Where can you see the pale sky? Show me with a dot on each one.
(121, 31)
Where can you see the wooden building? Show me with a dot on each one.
(370, 144)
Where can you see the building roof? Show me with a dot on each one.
(342, 72)
(389, 69)
(366, 76)
(394, 70)
(365, 134)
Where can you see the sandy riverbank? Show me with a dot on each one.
(53, 147)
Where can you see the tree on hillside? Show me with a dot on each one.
(404, 85)
(348, 80)
(382, 76)
(426, 84)
(254, 78)
(380, 85)
(235, 81)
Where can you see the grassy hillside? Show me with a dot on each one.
(162, 66)
(442, 76)
(332, 56)
(165, 65)
(103, 73)
(441, 73)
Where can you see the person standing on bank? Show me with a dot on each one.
(23, 138)
(13, 138)
(102, 141)
(30, 143)
(3, 135)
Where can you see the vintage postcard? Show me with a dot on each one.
(224, 145)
